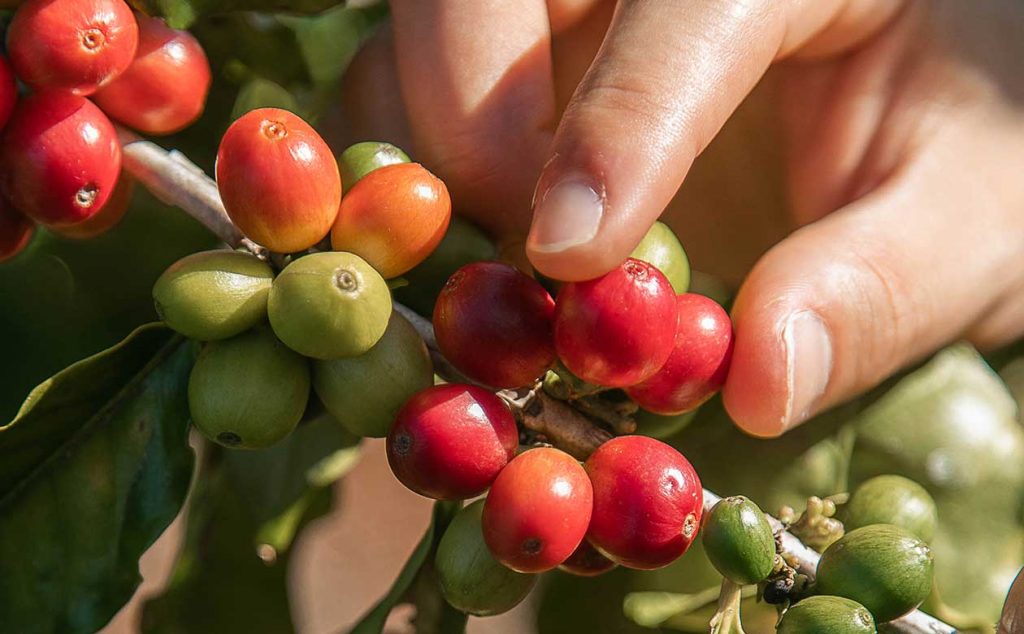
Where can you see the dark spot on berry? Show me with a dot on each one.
(777, 590)
(229, 438)
(403, 444)
(86, 196)
(532, 546)
(273, 130)
(636, 269)
(93, 39)
(690, 526)
(346, 280)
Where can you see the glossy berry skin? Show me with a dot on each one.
(616, 330)
(393, 217)
(109, 215)
(586, 561)
(73, 46)
(165, 87)
(362, 158)
(8, 91)
(278, 179)
(15, 231)
(537, 510)
(60, 158)
(494, 323)
(699, 362)
(450, 441)
(647, 502)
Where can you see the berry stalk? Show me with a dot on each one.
(175, 180)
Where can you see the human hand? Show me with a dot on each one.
(903, 130)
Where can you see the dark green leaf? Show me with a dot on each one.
(180, 14)
(373, 622)
(95, 466)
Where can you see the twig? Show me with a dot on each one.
(172, 178)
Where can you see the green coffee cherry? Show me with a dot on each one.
(821, 614)
(249, 391)
(471, 579)
(364, 393)
(661, 248)
(329, 305)
(739, 541)
(213, 294)
(462, 244)
(892, 499)
(885, 568)
(661, 427)
(362, 158)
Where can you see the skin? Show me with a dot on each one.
(877, 162)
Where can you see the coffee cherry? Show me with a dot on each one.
(109, 215)
(362, 158)
(249, 391)
(661, 248)
(471, 580)
(885, 568)
(60, 157)
(616, 330)
(450, 441)
(364, 393)
(699, 362)
(834, 615)
(164, 89)
(213, 294)
(892, 499)
(739, 541)
(647, 502)
(74, 46)
(393, 217)
(16, 231)
(329, 305)
(494, 324)
(537, 510)
(586, 561)
(8, 91)
(661, 427)
(278, 180)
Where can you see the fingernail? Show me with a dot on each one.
(567, 215)
(808, 365)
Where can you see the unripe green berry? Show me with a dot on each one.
(661, 248)
(821, 614)
(364, 393)
(329, 305)
(213, 294)
(249, 391)
(362, 158)
(892, 499)
(739, 541)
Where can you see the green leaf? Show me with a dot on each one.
(262, 93)
(422, 555)
(180, 14)
(95, 466)
(330, 40)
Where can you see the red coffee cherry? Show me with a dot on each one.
(450, 441)
(494, 323)
(616, 330)
(60, 158)
(699, 362)
(537, 510)
(278, 180)
(109, 215)
(647, 502)
(8, 91)
(15, 231)
(165, 88)
(587, 561)
(72, 45)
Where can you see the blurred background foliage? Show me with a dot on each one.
(951, 424)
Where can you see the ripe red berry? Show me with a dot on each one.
(699, 362)
(647, 502)
(393, 217)
(15, 231)
(60, 158)
(164, 89)
(8, 91)
(109, 215)
(616, 330)
(450, 441)
(72, 45)
(278, 180)
(494, 323)
(587, 561)
(537, 510)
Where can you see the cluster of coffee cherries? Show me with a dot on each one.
(80, 64)
(318, 318)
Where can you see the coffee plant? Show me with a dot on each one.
(305, 296)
